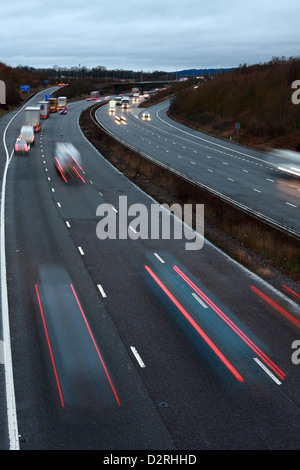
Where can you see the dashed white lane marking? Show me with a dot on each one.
(137, 356)
(158, 257)
(267, 371)
(290, 204)
(199, 300)
(101, 290)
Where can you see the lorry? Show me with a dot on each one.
(53, 104)
(27, 135)
(95, 95)
(61, 102)
(32, 117)
(126, 102)
(135, 93)
(44, 109)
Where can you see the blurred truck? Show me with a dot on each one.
(61, 102)
(95, 95)
(44, 109)
(53, 104)
(32, 117)
(67, 161)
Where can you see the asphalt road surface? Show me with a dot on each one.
(133, 343)
(246, 176)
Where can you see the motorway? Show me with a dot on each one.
(130, 343)
(245, 176)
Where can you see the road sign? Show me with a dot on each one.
(25, 88)
(47, 97)
(2, 92)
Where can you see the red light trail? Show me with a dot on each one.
(196, 326)
(49, 347)
(231, 324)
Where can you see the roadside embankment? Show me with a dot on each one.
(261, 246)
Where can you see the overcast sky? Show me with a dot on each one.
(149, 35)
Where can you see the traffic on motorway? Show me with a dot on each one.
(115, 335)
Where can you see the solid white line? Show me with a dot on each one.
(267, 371)
(137, 356)
(289, 204)
(12, 422)
(2, 352)
(101, 290)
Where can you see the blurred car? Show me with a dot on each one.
(290, 162)
(63, 111)
(146, 116)
(67, 161)
(21, 146)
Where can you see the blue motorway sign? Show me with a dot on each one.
(25, 88)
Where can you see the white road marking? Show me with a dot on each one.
(267, 371)
(199, 300)
(12, 422)
(158, 257)
(81, 250)
(137, 356)
(101, 290)
(132, 229)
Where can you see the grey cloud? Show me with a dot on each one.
(152, 35)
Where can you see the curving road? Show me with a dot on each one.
(246, 176)
(133, 343)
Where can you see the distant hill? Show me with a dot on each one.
(258, 97)
(200, 72)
